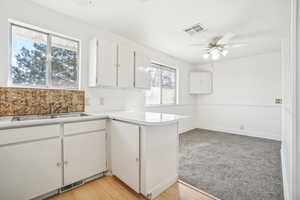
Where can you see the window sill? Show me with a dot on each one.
(39, 87)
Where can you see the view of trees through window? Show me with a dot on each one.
(163, 86)
(43, 60)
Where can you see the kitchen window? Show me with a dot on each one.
(163, 86)
(43, 60)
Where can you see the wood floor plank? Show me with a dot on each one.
(111, 188)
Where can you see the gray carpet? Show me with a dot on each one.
(231, 167)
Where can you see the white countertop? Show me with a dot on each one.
(142, 118)
(7, 123)
(146, 118)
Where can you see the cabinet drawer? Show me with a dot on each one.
(9, 136)
(81, 127)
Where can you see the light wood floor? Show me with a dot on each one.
(110, 188)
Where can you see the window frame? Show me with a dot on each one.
(165, 68)
(49, 35)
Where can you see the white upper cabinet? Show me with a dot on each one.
(142, 74)
(117, 65)
(93, 60)
(103, 63)
(125, 67)
(201, 82)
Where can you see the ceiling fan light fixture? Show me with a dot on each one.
(214, 52)
(215, 56)
(205, 56)
(224, 52)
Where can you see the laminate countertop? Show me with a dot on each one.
(141, 118)
(147, 118)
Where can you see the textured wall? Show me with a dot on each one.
(27, 101)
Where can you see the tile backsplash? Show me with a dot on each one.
(28, 101)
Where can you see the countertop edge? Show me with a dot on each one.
(9, 124)
(143, 122)
(113, 116)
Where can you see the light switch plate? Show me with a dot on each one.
(101, 101)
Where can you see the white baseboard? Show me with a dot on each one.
(272, 136)
(158, 189)
(284, 176)
(186, 130)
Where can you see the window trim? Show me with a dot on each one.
(49, 35)
(166, 68)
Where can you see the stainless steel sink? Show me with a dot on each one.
(52, 116)
(70, 115)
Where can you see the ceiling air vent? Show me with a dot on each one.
(197, 28)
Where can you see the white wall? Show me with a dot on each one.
(244, 92)
(114, 99)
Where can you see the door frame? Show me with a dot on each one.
(294, 45)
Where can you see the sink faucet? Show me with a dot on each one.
(51, 108)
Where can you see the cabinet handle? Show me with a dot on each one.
(66, 162)
(137, 160)
(58, 164)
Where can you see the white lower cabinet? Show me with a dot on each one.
(84, 156)
(41, 159)
(30, 169)
(145, 157)
(125, 156)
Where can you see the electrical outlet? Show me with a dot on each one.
(242, 127)
(278, 101)
(101, 101)
(87, 101)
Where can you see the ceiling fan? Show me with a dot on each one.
(219, 46)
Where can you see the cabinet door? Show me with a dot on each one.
(30, 169)
(125, 67)
(84, 156)
(93, 62)
(142, 74)
(125, 154)
(102, 63)
(107, 64)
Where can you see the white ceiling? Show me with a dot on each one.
(159, 23)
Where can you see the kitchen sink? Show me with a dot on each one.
(52, 116)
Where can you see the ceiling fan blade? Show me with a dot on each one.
(236, 45)
(226, 38)
(200, 45)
